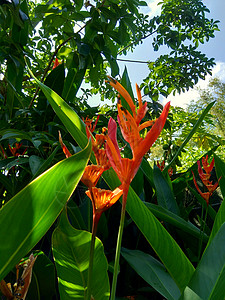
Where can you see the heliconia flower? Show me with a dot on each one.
(103, 199)
(205, 178)
(56, 63)
(124, 167)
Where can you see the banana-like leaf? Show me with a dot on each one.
(153, 272)
(165, 196)
(208, 279)
(71, 250)
(220, 217)
(66, 114)
(164, 245)
(171, 218)
(30, 213)
(161, 241)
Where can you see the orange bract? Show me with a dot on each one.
(91, 175)
(103, 199)
(130, 127)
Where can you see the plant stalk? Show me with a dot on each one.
(118, 246)
(91, 259)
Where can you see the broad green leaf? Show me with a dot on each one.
(220, 172)
(191, 133)
(209, 276)
(71, 250)
(46, 163)
(153, 272)
(161, 241)
(220, 216)
(171, 218)
(30, 213)
(147, 170)
(66, 114)
(12, 162)
(165, 197)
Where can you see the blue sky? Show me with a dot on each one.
(214, 48)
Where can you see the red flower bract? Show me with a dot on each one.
(130, 127)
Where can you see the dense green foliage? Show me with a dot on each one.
(36, 183)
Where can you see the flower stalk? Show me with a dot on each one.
(125, 168)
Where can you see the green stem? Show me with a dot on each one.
(91, 259)
(118, 246)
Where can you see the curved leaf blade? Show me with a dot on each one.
(30, 213)
(153, 272)
(211, 270)
(161, 241)
(165, 197)
(71, 250)
(171, 218)
(220, 216)
(67, 115)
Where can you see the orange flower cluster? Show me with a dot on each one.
(205, 178)
(101, 199)
(130, 127)
(107, 152)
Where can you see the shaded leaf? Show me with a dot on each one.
(30, 213)
(71, 250)
(153, 272)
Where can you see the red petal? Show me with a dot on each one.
(155, 131)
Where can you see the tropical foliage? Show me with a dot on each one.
(67, 167)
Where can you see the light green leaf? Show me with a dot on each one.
(71, 250)
(66, 114)
(209, 276)
(220, 216)
(153, 272)
(30, 213)
(189, 295)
